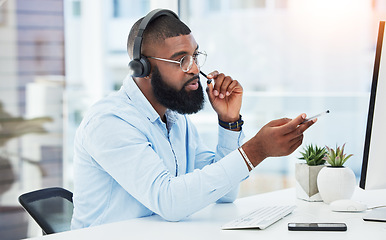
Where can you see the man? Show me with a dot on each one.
(138, 154)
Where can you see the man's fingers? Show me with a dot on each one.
(299, 130)
(296, 139)
(213, 74)
(279, 122)
(218, 79)
(292, 125)
(210, 87)
(296, 142)
(224, 86)
(303, 127)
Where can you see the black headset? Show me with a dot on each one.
(140, 65)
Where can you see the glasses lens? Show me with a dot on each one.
(200, 58)
(186, 63)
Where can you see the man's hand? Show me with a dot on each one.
(225, 96)
(277, 138)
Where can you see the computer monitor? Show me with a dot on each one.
(373, 174)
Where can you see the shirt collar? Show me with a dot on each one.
(143, 105)
(171, 118)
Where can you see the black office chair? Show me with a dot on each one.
(51, 208)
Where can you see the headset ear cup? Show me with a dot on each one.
(136, 68)
(140, 67)
(146, 66)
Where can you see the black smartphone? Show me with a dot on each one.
(317, 227)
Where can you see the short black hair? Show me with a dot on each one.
(159, 29)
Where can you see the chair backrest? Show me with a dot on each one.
(51, 208)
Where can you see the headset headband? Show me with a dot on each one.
(148, 18)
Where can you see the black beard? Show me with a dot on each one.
(181, 101)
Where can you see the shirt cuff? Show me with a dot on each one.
(230, 139)
(235, 167)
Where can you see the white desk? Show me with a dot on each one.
(206, 224)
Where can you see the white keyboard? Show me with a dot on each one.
(261, 218)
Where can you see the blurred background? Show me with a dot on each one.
(58, 57)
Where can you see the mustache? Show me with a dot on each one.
(191, 80)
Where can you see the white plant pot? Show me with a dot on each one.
(306, 186)
(336, 183)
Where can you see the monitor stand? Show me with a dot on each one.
(376, 215)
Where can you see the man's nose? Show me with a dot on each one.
(195, 68)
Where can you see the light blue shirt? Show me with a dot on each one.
(130, 164)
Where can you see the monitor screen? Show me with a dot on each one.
(373, 175)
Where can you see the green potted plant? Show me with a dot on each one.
(306, 173)
(336, 181)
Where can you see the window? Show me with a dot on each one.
(76, 8)
(133, 9)
(291, 57)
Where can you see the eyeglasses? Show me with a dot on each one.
(186, 62)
